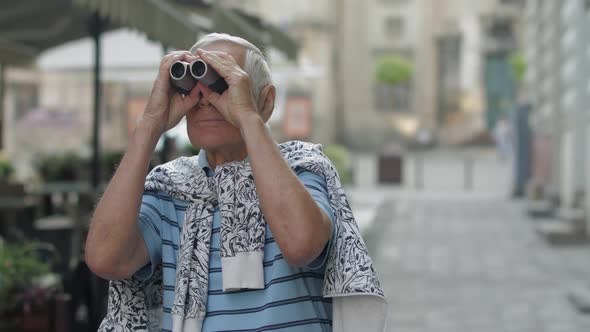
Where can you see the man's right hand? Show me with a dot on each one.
(166, 107)
(115, 248)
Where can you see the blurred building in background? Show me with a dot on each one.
(557, 81)
(458, 51)
(455, 47)
(470, 72)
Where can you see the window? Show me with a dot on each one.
(501, 30)
(393, 27)
(26, 98)
(449, 75)
(390, 98)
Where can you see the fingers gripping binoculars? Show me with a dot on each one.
(184, 76)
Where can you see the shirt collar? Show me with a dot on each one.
(204, 163)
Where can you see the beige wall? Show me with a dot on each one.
(361, 126)
(380, 11)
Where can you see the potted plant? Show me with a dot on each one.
(110, 160)
(394, 73)
(340, 157)
(9, 187)
(65, 167)
(27, 286)
(393, 70)
(6, 170)
(518, 67)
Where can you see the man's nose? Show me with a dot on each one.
(203, 101)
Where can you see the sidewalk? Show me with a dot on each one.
(458, 261)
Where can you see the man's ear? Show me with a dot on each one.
(266, 101)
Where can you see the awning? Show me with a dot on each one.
(160, 20)
(28, 27)
(178, 23)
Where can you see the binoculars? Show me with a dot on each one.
(184, 76)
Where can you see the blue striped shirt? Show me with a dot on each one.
(291, 298)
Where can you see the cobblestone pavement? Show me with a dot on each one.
(466, 262)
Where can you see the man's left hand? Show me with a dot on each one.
(236, 103)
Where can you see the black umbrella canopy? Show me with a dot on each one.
(27, 28)
(173, 22)
(160, 20)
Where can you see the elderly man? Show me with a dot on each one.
(240, 237)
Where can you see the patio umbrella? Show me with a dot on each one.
(28, 27)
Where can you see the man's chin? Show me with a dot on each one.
(210, 139)
(212, 124)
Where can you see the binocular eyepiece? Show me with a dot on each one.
(184, 76)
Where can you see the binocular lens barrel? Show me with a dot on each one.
(178, 70)
(180, 78)
(199, 68)
(184, 76)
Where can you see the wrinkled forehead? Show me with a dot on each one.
(236, 51)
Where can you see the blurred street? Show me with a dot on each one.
(454, 260)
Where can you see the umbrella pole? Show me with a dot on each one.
(98, 287)
(2, 87)
(166, 147)
(96, 31)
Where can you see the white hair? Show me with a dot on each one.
(255, 64)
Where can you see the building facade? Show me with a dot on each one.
(558, 84)
(448, 42)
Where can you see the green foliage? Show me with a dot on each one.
(393, 70)
(20, 265)
(110, 160)
(519, 66)
(6, 169)
(190, 150)
(63, 167)
(340, 157)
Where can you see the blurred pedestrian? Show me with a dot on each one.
(503, 138)
(247, 235)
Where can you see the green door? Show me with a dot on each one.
(499, 86)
